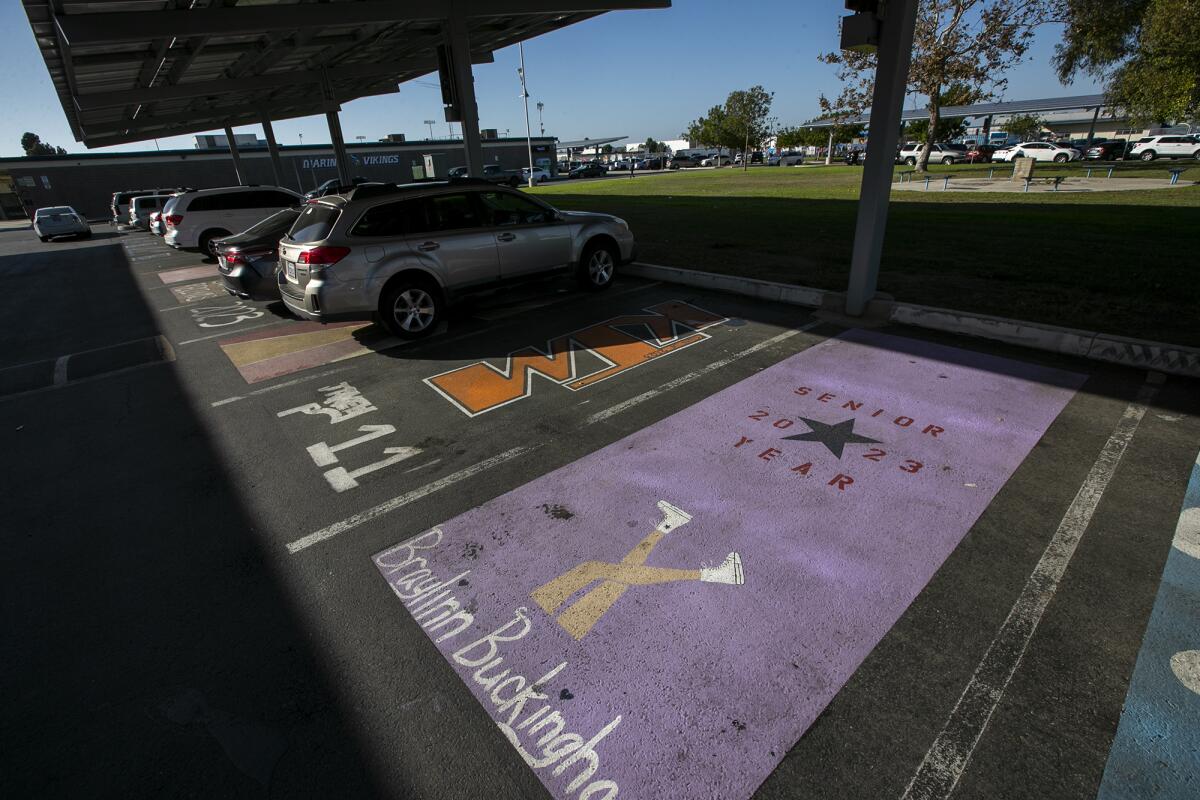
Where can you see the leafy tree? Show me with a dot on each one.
(1025, 127)
(948, 128)
(33, 145)
(968, 44)
(652, 145)
(709, 130)
(1148, 51)
(743, 122)
(608, 148)
(747, 113)
(815, 137)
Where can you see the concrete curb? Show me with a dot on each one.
(1137, 353)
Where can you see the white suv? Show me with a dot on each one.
(197, 218)
(1178, 146)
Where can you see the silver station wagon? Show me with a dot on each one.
(405, 252)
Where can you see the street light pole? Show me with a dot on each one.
(541, 122)
(525, 99)
(430, 122)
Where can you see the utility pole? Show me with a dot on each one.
(525, 99)
(430, 122)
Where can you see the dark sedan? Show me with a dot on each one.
(980, 153)
(1107, 151)
(248, 261)
(590, 170)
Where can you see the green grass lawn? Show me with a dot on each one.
(1119, 262)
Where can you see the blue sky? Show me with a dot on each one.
(634, 73)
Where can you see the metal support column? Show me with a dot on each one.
(272, 148)
(987, 129)
(339, 146)
(335, 129)
(237, 158)
(1092, 130)
(459, 45)
(891, 77)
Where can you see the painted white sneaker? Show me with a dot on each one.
(729, 572)
(672, 517)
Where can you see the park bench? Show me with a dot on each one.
(1175, 173)
(1056, 180)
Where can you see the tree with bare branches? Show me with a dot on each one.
(969, 44)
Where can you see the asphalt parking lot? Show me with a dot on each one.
(250, 555)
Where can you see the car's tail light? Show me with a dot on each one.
(234, 257)
(173, 220)
(323, 256)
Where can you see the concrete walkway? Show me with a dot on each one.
(938, 183)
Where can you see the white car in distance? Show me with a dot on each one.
(1038, 151)
(539, 175)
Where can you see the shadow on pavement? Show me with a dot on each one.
(153, 649)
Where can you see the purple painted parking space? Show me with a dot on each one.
(667, 616)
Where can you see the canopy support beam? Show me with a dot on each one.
(237, 157)
(891, 78)
(273, 149)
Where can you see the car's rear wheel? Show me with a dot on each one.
(411, 308)
(947, 160)
(1196, 155)
(1148, 155)
(1062, 158)
(912, 162)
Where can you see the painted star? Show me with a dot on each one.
(835, 437)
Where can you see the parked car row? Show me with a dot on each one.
(1147, 148)
(121, 201)
(399, 253)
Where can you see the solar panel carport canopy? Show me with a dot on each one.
(131, 70)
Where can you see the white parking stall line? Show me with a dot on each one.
(236, 332)
(951, 751)
(60, 370)
(625, 405)
(284, 385)
(328, 532)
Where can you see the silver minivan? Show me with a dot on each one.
(405, 252)
(141, 207)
